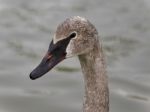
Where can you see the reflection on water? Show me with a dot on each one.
(26, 30)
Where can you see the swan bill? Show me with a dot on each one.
(55, 54)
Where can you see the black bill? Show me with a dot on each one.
(55, 54)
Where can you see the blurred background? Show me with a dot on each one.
(26, 29)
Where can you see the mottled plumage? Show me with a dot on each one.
(76, 36)
(86, 46)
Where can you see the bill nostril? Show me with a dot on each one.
(49, 56)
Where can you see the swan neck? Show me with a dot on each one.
(96, 97)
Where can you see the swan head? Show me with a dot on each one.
(75, 36)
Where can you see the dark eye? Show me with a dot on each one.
(72, 35)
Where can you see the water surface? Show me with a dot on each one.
(26, 28)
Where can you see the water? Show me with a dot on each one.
(26, 28)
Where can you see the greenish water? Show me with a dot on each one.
(26, 28)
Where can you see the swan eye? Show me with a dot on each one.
(72, 35)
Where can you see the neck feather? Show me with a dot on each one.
(96, 97)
